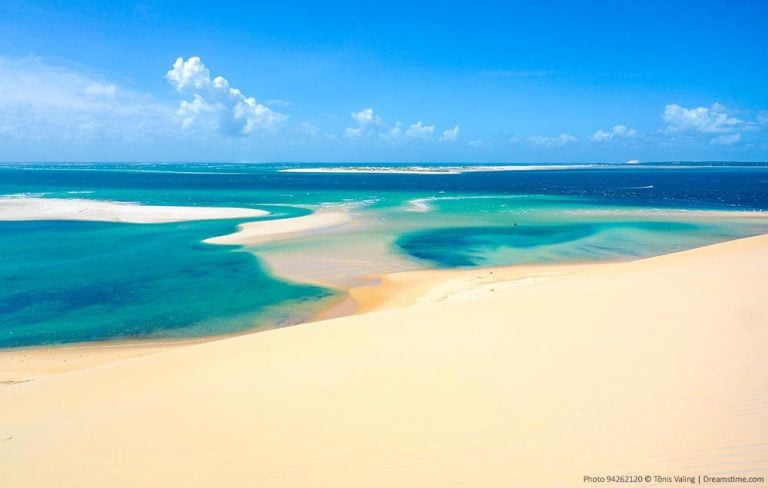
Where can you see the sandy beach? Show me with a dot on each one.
(271, 230)
(26, 208)
(526, 378)
(377, 245)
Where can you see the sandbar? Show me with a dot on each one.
(269, 230)
(31, 208)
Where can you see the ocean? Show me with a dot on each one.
(72, 281)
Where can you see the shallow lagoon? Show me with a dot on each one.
(75, 281)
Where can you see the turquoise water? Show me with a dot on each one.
(87, 281)
(66, 281)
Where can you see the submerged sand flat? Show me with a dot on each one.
(26, 208)
(652, 367)
(270, 230)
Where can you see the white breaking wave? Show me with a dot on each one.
(419, 205)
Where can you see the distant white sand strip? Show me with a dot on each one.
(24, 208)
(270, 230)
(377, 170)
(441, 170)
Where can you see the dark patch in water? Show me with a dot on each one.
(82, 281)
(469, 246)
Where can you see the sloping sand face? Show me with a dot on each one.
(22, 208)
(271, 230)
(654, 367)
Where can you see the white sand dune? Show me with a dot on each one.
(26, 208)
(270, 230)
(653, 367)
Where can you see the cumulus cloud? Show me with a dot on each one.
(369, 124)
(189, 74)
(420, 131)
(548, 141)
(618, 131)
(701, 119)
(451, 134)
(366, 117)
(726, 139)
(215, 103)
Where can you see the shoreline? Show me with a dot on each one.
(471, 387)
(385, 291)
(259, 232)
(379, 291)
(26, 363)
(382, 292)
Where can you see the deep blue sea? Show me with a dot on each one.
(74, 281)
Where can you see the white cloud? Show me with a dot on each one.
(190, 111)
(393, 133)
(366, 117)
(191, 73)
(617, 131)
(726, 139)
(98, 89)
(549, 141)
(370, 124)
(479, 144)
(215, 104)
(353, 132)
(420, 131)
(43, 101)
(367, 122)
(700, 119)
(451, 134)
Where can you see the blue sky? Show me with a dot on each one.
(391, 81)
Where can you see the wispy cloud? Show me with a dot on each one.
(726, 139)
(545, 141)
(451, 134)
(618, 131)
(41, 101)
